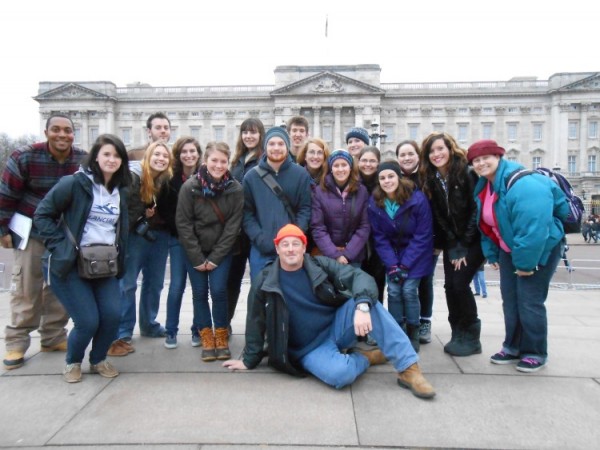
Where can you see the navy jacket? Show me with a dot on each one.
(264, 213)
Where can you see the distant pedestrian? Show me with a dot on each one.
(479, 282)
(565, 259)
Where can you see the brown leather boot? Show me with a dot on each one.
(208, 344)
(413, 379)
(374, 355)
(222, 343)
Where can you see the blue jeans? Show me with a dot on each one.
(403, 301)
(94, 307)
(523, 298)
(479, 282)
(327, 363)
(180, 267)
(150, 258)
(214, 281)
(258, 261)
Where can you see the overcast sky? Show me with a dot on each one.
(186, 42)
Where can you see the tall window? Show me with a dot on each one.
(413, 131)
(174, 135)
(537, 131)
(536, 162)
(195, 132)
(463, 130)
(572, 164)
(218, 131)
(77, 138)
(388, 128)
(573, 129)
(512, 131)
(327, 132)
(93, 133)
(126, 135)
(438, 127)
(593, 129)
(486, 132)
(591, 163)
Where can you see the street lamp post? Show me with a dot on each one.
(375, 135)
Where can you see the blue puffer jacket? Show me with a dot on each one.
(407, 239)
(528, 216)
(338, 222)
(264, 213)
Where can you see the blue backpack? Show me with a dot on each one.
(572, 224)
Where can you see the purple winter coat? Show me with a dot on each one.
(338, 222)
(407, 239)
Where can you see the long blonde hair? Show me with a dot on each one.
(151, 182)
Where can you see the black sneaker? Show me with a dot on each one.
(503, 358)
(529, 365)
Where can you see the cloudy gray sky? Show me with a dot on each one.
(181, 42)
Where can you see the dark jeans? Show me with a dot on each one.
(523, 303)
(95, 309)
(426, 292)
(236, 273)
(373, 265)
(462, 308)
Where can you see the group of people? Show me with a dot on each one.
(323, 232)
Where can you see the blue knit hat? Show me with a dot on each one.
(359, 133)
(277, 132)
(337, 154)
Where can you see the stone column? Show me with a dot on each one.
(230, 135)
(278, 115)
(85, 138)
(206, 129)
(316, 131)
(337, 127)
(583, 130)
(358, 116)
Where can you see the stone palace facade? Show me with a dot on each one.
(551, 123)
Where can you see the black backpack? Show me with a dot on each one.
(572, 224)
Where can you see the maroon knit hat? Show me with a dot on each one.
(484, 147)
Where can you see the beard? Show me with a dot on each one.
(277, 158)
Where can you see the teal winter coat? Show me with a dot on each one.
(528, 216)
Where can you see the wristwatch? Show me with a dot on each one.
(364, 307)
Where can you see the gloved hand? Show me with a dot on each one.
(397, 274)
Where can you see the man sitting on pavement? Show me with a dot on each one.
(297, 302)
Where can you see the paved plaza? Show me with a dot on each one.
(171, 399)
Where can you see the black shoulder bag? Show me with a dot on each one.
(277, 190)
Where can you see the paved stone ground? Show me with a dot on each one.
(171, 399)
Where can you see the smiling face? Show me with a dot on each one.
(276, 150)
(60, 135)
(340, 171)
(108, 161)
(291, 253)
(355, 145)
(250, 138)
(189, 156)
(439, 155)
(315, 157)
(408, 158)
(486, 166)
(159, 160)
(298, 135)
(388, 181)
(368, 163)
(216, 164)
(159, 130)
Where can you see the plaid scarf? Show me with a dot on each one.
(211, 187)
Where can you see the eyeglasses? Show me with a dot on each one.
(315, 152)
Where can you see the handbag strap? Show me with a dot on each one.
(277, 190)
(218, 211)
